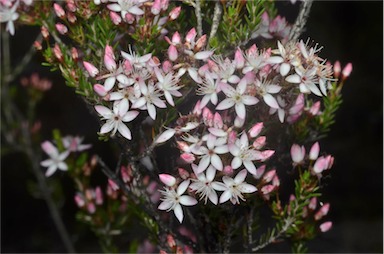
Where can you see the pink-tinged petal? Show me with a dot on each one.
(244, 140)
(347, 70)
(218, 186)
(228, 181)
(109, 83)
(239, 59)
(284, 69)
(247, 188)
(178, 211)
(250, 167)
(165, 136)
(314, 152)
(145, 58)
(241, 86)
(324, 227)
(109, 62)
(104, 111)
(240, 110)
(227, 89)
(114, 7)
(267, 189)
(124, 131)
(270, 101)
(320, 165)
(64, 155)
(159, 103)
(234, 149)
(52, 169)
(249, 100)
(173, 14)
(293, 79)
(167, 179)
(204, 162)
(100, 90)
(136, 10)
(172, 53)
(47, 163)
(203, 55)
(123, 79)
(236, 163)
(49, 148)
(114, 96)
(221, 149)
(312, 203)
(304, 88)
(182, 187)
(256, 129)
(217, 132)
(225, 104)
(129, 116)
(225, 196)
(240, 177)
(194, 75)
(107, 127)
(297, 153)
(188, 158)
(336, 69)
(191, 35)
(151, 111)
(165, 205)
(216, 162)
(187, 200)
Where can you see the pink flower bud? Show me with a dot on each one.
(276, 181)
(183, 173)
(37, 45)
(329, 160)
(92, 70)
(62, 29)
(315, 109)
(74, 54)
(167, 66)
(267, 189)
(259, 172)
(252, 50)
(297, 153)
(256, 129)
(218, 121)
(109, 59)
(167, 179)
(207, 117)
(100, 90)
(172, 53)
(197, 108)
(79, 200)
(44, 32)
(116, 18)
(174, 14)
(187, 157)
(99, 196)
(269, 175)
(164, 4)
(57, 52)
(320, 165)
(91, 208)
(265, 155)
(71, 6)
(299, 105)
(336, 69)
(183, 146)
(129, 18)
(239, 59)
(324, 227)
(191, 35)
(232, 136)
(322, 211)
(59, 10)
(125, 174)
(201, 42)
(259, 142)
(163, 252)
(71, 17)
(127, 66)
(314, 152)
(113, 185)
(228, 170)
(48, 148)
(176, 39)
(347, 71)
(156, 7)
(312, 203)
(171, 242)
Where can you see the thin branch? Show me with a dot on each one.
(249, 227)
(301, 20)
(288, 222)
(215, 20)
(199, 18)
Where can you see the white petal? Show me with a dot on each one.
(250, 167)
(139, 102)
(129, 116)
(187, 200)
(194, 75)
(136, 10)
(284, 69)
(124, 131)
(216, 162)
(114, 7)
(47, 163)
(270, 101)
(225, 104)
(123, 79)
(107, 127)
(240, 177)
(218, 186)
(165, 205)
(249, 100)
(104, 111)
(234, 149)
(114, 96)
(62, 166)
(211, 172)
(225, 196)
(109, 83)
(145, 58)
(247, 188)
(244, 140)
(183, 187)
(293, 79)
(304, 88)
(123, 107)
(234, 79)
(275, 60)
(236, 163)
(221, 149)
(151, 110)
(217, 132)
(169, 98)
(167, 179)
(166, 135)
(204, 162)
(314, 89)
(203, 55)
(178, 212)
(273, 88)
(240, 110)
(241, 86)
(213, 197)
(52, 169)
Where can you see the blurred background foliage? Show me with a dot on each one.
(350, 31)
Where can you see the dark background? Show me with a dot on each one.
(349, 32)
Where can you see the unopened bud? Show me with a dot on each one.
(322, 211)
(57, 52)
(59, 10)
(347, 71)
(44, 32)
(116, 18)
(174, 14)
(74, 54)
(324, 227)
(336, 69)
(37, 45)
(91, 69)
(156, 7)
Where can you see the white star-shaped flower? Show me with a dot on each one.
(9, 15)
(243, 154)
(56, 160)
